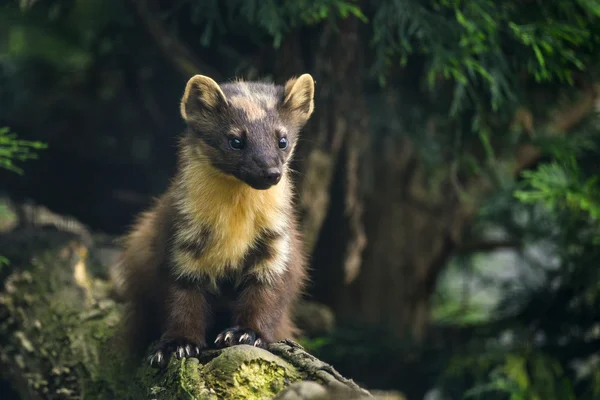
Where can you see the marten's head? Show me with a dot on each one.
(246, 129)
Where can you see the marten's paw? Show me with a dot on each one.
(238, 335)
(165, 348)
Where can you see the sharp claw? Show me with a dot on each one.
(258, 342)
(244, 337)
(159, 357)
(197, 350)
(228, 335)
(180, 352)
(188, 350)
(219, 338)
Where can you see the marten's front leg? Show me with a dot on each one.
(276, 275)
(257, 312)
(262, 313)
(186, 311)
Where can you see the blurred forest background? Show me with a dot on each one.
(448, 183)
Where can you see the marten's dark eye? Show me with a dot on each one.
(236, 144)
(283, 143)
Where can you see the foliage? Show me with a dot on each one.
(67, 35)
(13, 149)
(484, 46)
(526, 376)
(560, 184)
(275, 18)
(541, 340)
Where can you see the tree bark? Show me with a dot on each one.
(409, 241)
(59, 338)
(338, 124)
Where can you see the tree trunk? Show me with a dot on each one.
(377, 232)
(409, 229)
(409, 240)
(57, 338)
(339, 98)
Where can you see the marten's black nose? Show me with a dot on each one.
(273, 175)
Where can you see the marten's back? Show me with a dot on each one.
(138, 277)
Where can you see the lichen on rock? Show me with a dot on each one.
(247, 372)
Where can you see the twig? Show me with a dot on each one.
(561, 123)
(489, 245)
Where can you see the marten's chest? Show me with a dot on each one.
(221, 241)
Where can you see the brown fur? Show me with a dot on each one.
(214, 252)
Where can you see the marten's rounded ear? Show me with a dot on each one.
(298, 98)
(202, 95)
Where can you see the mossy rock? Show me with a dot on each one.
(247, 372)
(58, 319)
(239, 372)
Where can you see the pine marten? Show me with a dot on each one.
(217, 261)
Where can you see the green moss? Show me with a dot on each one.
(61, 334)
(239, 372)
(191, 382)
(247, 372)
(180, 380)
(259, 378)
